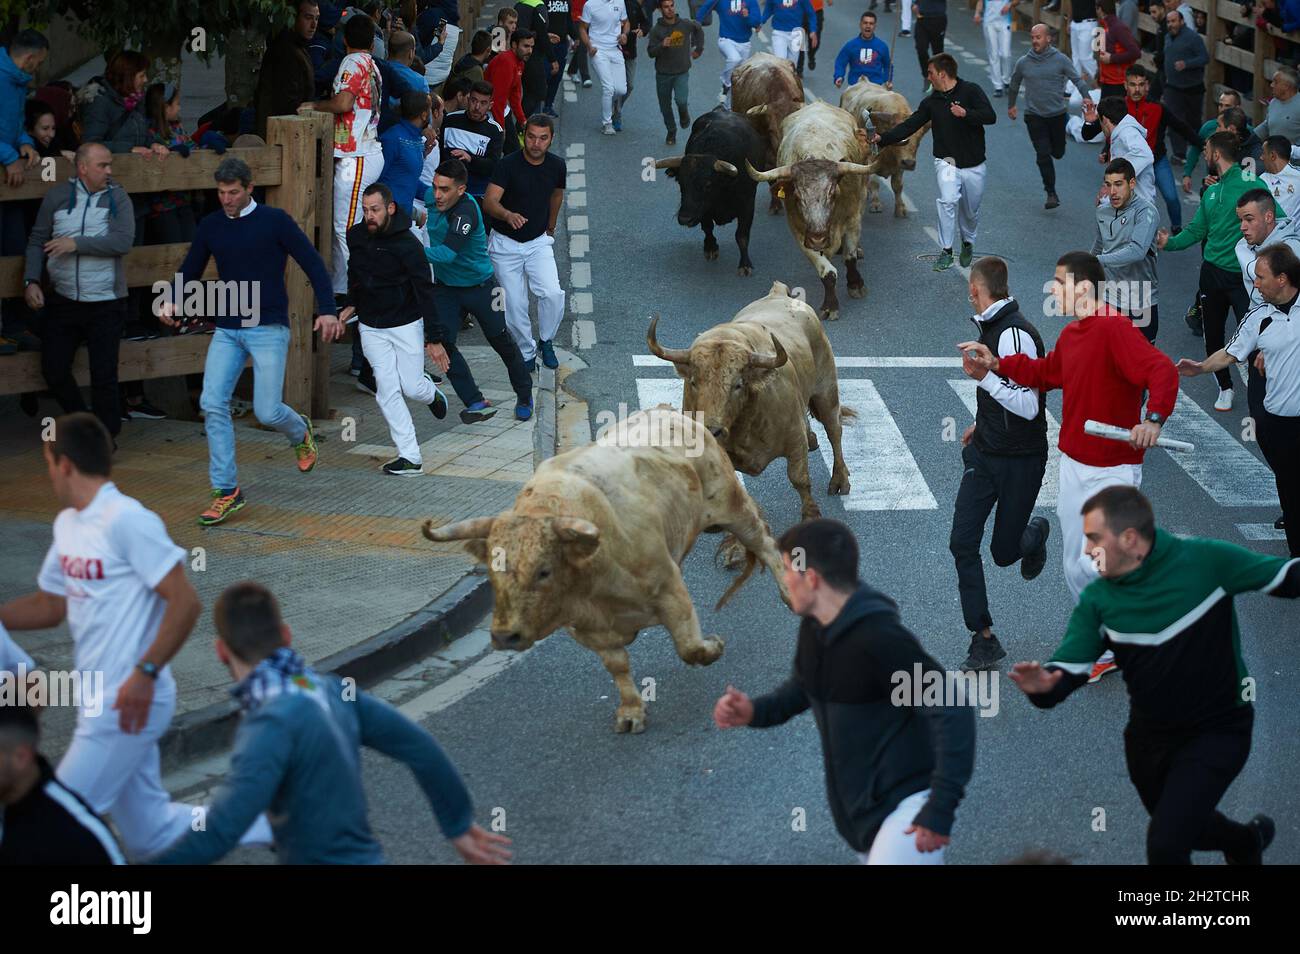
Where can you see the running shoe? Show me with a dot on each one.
(1102, 669)
(967, 252)
(904, 32)
(478, 411)
(222, 506)
(1280, 523)
(671, 138)
(523, 412)
(607, 129)
(1193, 319)
(1033, 547)
(997, 92)
(401, 467)
(586, 84)
(617, 124)
(366, 383)
(983, 654)
(1224, 401)
(944, 261)
(547, 348)
(306, 450)
(1052, 201)
(439, 404)
(143, 410)
(1264, 830)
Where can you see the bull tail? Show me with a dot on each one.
(750, 562)
(847, 413)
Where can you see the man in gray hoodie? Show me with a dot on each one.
(83, 230)
(1125, 246)
(1044, 70)
(1185, 57)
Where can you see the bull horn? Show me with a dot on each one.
(780, 172)
(853, 169)
(672, 162)
(720, 165)
(759, 110)
(675, 355)
(573, 529)
(474, 529)
(770, 361)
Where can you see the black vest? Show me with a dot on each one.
(997, 430)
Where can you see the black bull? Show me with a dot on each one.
(715, 188)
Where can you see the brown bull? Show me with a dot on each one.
(822, 169)
(751, 382)
(766, 89)
(887, 109)
(596, 538)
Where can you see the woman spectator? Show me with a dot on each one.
(170, 216)
(42, 126)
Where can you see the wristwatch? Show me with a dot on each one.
(1156, 418)
(148, 668)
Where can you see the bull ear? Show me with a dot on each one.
(580, 538)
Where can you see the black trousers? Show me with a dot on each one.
(99, 325)
(1113, 89)
(1149, 323)
(1047, 133)
(928, 32)
(1220, 290)
(450, 301)
(812, 54)
(1012, 483)
(1186, 104)
(1180, 775)
(1279, 439)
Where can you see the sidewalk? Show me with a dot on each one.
(341, 546)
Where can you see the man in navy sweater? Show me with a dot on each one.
(250, 243)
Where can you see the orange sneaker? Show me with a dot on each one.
(306, 451)
(1101, 669)
(222, 506)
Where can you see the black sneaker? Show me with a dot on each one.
(481, 411)
(401, 467)
(1193, 319)
(904, 32)
(1033, 547)
(439, 404)
(143, 410)
(366, 382)
(1280, 523)
(983, 653)
(1052, 201)
(1264, 830)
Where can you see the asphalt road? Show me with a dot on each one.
(534, 739)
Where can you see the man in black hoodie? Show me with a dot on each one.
(390, 286)
(895, 768)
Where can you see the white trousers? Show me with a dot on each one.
(351, 176)
(997, 45)
(960, 191)
(787, 44)
(733, 54)
(1081, 52)
(522, 267)
(397, 355)
(891, 846)
(612, 74)
(1078, 483)
(905, 14)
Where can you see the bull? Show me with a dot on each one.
(887, 109)
(596, 538)
(751, 382)
(714, 189)
(822, 168)
(766, 89)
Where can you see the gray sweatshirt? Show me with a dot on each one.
(1190, 48)
(670, 44)
(103, 225)
(1044, 75)
(1125, 246)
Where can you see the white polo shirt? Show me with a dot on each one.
(105, 561)
(1285, 186)
(604, 19)
(1277, 334)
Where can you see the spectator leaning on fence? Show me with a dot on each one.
(1283, 116)
(287, 78)
(1185, 60)
(83, 231)
(251, 243)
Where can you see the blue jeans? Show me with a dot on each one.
(1165, 184)
(268, 346)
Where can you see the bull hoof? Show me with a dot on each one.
(839, 485)
(858, 291)
(731, 553)
(876, 207)
(629, 720)
(744, 271)
(711, 254)
(830, 314)
(709, 650)
(900, 211)
(811, 512)
(812, 441)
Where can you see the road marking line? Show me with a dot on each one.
(1260, 531)
(577, 200)
(1231, 475)
(576, 165)
(651, 392)
(580, 275)
(575, 181)
(575, 149)
(953, 46)
(584, 333)
(579, 245)
(570, 96)
(869, 361)
(580, 303)
(458, 686)
(883, 474)
(577, 223)
(1050, 491)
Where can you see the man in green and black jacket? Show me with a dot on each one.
(896, 768)
(1164, 606)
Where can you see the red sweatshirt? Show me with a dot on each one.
(1102, 364)
(505, 72)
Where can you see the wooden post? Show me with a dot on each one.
(323, 239)
(1264, 45)
(1215, 31)
(297, 137)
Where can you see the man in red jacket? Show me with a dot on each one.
(1119, 48)
(1103, 365)
(505, 72)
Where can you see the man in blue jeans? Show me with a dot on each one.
(463, 281)
(250, 243)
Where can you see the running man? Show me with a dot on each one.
(1044, 70)
(995, 15)
(1164, 606)
(866, 55)
(737, 22)
(787, 18)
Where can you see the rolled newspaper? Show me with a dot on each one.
(1111, 432)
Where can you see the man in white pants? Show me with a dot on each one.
(996, 17)
(117, 578)
(899, 765)
(603, 30)
(788, 18)
(1083, 24)
(358, 155)
(737, 21)
(524, 197)
(1103, 366)
(390, 285)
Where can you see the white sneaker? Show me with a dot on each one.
(1224, 402)
(607, 129)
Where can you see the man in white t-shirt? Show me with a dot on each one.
(1281, 178)
(358, 156)
(117, 578)
(604, 30)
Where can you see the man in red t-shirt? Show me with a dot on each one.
(505, 72)
(1103, 365)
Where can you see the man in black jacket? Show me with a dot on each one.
(389, 285)
(1004, 454)
(957, 111)
(895, 768)
(287, 78)
(538, 69)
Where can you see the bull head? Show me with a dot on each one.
(474, 532)
(816, 188)
(678, 356)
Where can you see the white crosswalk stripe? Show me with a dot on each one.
(965, 389)
(1230, 474)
